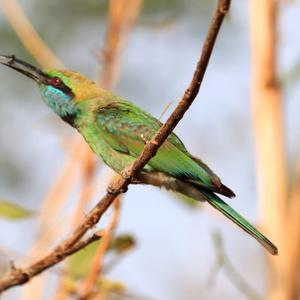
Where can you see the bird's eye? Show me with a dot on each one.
(55, 81)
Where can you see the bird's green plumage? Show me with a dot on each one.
(128, 136)
(117, 130)
(234, 216)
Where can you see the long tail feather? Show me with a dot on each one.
(234, 216)
(197, 193)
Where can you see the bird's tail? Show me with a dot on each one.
(234, 216)
(199, 194)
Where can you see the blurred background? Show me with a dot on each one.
(175, 249)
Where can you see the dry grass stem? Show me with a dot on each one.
(279, 211)
(28, 35)
(97, 265)
(122, 17)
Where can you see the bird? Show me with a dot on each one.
(116, 130)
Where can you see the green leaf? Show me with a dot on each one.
(102, 285)
(107, 285)
(79, 264)
(12, 211)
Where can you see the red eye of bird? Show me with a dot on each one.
(55, 81)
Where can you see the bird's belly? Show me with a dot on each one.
(115, 160)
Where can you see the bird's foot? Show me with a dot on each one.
(135, 181)
(146, 142)
(112, 190)
(124, 190)
(126, 173)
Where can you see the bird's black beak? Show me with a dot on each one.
(23, 67)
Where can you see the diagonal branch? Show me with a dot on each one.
(19, 276)
(149, 151)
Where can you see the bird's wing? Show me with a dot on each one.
(125, 127)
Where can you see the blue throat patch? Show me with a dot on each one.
(61, 103)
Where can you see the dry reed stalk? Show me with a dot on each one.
(31, 40)
(97, 264)
(279, 213)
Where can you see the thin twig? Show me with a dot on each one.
(223, 260)
(82, 244)
(150, 149)
(122, 16)
(20, 276)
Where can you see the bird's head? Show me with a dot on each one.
(62, 90)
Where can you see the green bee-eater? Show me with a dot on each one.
(116, 130)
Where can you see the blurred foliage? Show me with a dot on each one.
(12, 211)
(103, 287)
(79, 264)
(122, 243)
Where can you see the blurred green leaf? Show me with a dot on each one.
(122, 243)
(103, 286)
(107, 285)
(79, 264)
(12, 211)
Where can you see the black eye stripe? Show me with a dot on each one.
(61, 86)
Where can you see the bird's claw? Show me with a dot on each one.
(111, 190)
(135, 181)
(124, 190)
(126, 174)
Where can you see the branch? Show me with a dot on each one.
(19, 276)
(149, 151)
